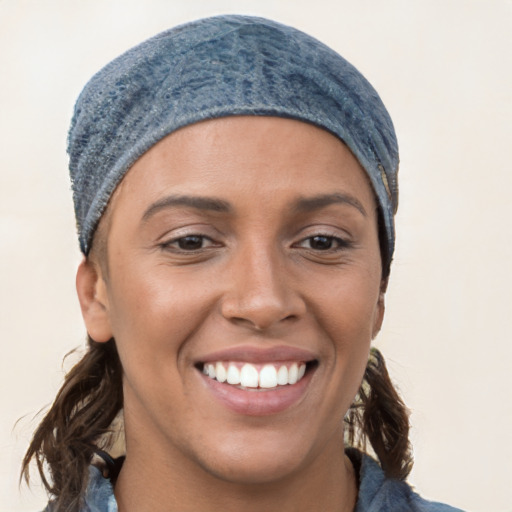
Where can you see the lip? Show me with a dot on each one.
(255, 355)
(258, 402)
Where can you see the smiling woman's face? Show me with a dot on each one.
(246, 248)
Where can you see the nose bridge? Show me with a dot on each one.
(261, 291)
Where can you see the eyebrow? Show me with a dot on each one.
(302, 205)
(307, 204)
(197, 202)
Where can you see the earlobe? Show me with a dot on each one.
(92, 295)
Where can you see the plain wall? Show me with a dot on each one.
(444, 70)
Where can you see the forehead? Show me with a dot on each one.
(239, 156)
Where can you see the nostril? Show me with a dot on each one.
(262, 320)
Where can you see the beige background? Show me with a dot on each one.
(443, 68)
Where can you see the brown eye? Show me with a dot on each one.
(324, 243)
(191, 242)
(321, 243)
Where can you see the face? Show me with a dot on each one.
(243, 290)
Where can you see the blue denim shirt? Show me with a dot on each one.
(380, 494)
(376, 493)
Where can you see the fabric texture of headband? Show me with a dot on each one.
(216, 67)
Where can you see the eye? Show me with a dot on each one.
(323, 243)
(189, 243)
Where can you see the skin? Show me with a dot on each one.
(256, 278)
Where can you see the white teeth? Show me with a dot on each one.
(293, 374)
(220, 372)
(268, 377)
(282, 375)
(249, 376)
(233, 376)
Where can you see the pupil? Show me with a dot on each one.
(321, 242)
(190, 242)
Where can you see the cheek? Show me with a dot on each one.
(347, 304)
(153, 315)
(147, 297)
(152, 318)
(348, 315)
(156, 312)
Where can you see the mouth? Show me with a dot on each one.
(257, 382)
(250, 376)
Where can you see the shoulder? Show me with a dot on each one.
(380, 494)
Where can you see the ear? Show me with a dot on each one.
(380, 308)
(92, 295)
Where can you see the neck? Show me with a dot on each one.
(150, 483)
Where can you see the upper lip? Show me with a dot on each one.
(250, 354)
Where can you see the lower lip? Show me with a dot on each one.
(258, 402)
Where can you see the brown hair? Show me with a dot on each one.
(77, 425)
(378, 416)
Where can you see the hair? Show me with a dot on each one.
(385, 257)
(378, 416)
(77, 425)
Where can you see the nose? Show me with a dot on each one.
(260, 292)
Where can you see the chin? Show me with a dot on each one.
(253, 472)
(255, 461)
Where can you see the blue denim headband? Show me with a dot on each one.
(217, 67)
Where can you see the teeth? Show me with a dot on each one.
(233, 375)
(282, 375)
(268, 377)
(220, 373)
(293, 373)
(249, 376)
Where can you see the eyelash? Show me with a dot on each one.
(176, 244)
(330, 239)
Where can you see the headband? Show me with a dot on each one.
(217, 67)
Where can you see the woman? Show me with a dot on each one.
(235, 185)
